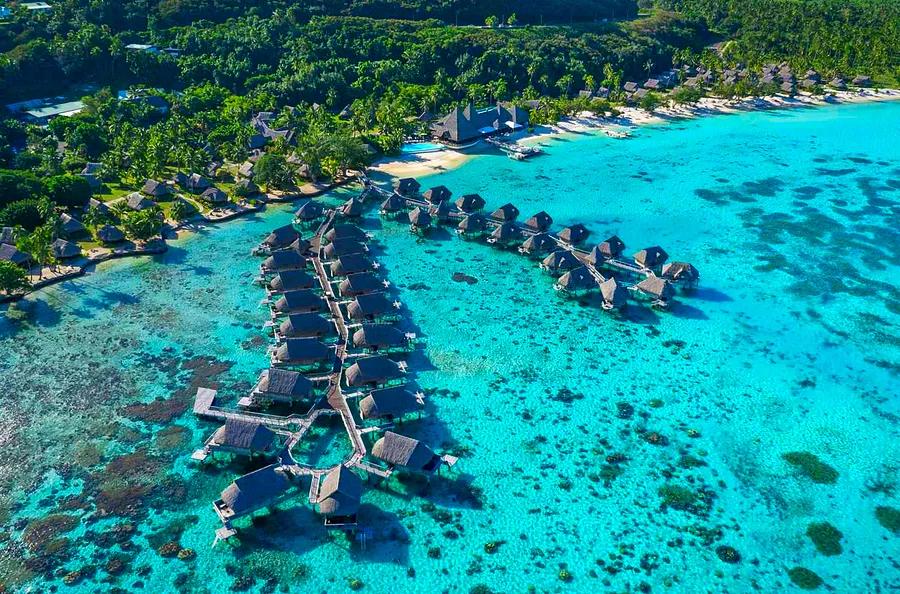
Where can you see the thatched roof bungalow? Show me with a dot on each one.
(681, 271)
(389, 403)
(214, 196)
(301, 301)
(392, 204)
(474, 224)
(370, 307)
(110, 234)
(342, 247)
(441, 211)
(539, 222)
(614, 295)
(339, 497)
(438, 194)
(292, 280)
(470, 203)
(372, 371)
(611, 248)
(283, 260)
(506, 213)
(406, 452)
(70, 226)
(157, 189)
(346, 231)
(574, 234)
(305, 325)
(560, 260)
(137, 202)
(505, 233)
(377, 337)
(301, 351)
(252, 491)
(360, 284)
(577, 279)
(282, 385)
(9, 253)
(353, 207)
(310, 211)
(538, 243)
(64, 250)
(351, 264)
(241, 437)
(658, 288)
(407, 187)
(651, 257)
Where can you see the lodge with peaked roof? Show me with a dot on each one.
(465, 124)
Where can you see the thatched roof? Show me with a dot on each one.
(309, 211)
(193, 182)
(360, 284)
(438, 194)
(395, 401)
(441, 210)
(302, 350)
(651, 257)
(561, 260)
(346, 231)
(343, 247)
(99, 205)
(353, 207)
(574, 234)
(284, 260)
(350, 264)
(419, 217)
(393, 203)
(9, 253)
(214, 196)
(372, 370)
(613, 293)
(243, 435)
(8, 235)
(299, 325)
(136, 201)
(246, 186)
(156, 188)
(292, 280)
(407, 186)
(299, 245)
(577, 279)
(677, 271)
(470, 203)
(302, 300)
(378, 336)
(507, 212)
(63, 249)
(656, 287)
(69, 225)
(110, 234)
(539, 242)
(399, 450)
(255, 490)
(506, 231)
(611, 248)
(281, 237)
(473, 223)
(340, 492)
(285, 383)
(539, 222)
(369, 306)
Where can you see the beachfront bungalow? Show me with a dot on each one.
(392, 205)
(406, 452)
(353, 208)
(607, 250)
(291, 280)
(191, 183)
(407, 187)
(245, 187)
(137, 202)
(505, 234)
(339, 497)
(681, 272)
(466, 124)
(280, 238)
(302, 352)
(283, 260)
(351, 264)
(419, 220)
(360, 284)
(71, 227)
(539, 222)
(630, 87)
(156, 189)
(109, 234)
(659, 289)
(253, 491)
(302, 301)
(342, 247)
(346, 231)
(282, 385)
(539, 243)
(472, 226)
(214, 196)
(379, 337)
(9, 253)
(389, 403)
(838, 84)
(651, 258)
(370, 307)
(788, 88)
(65, 250)
(862, 80)
(470, 203)
(305, 325)
(576, 280)
(373, 371)
(506, 213)
(560, 260)
(615, 296)
(310, 211)
(243, 438)
(574, 234)
(437, 194)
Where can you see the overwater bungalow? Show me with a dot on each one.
(302, 301)
(472, 226)
(310, 211)
(539, 222)
(470, 203)
(406, 452)
(291, 280)
(243, 438)
(505, 234)
(392, 205)
(353, 208)
(71, 227)
(574, 234)
(658, 288)
(438, 194)
(615, 296)
(346, 231)
(379, 337)
(305, 325)
(351, 264)
(441, 212)
(651, 258)
(280, 237)
(576, 280)
(407, 187)
(607, 250)
(109, 234)
(137, 202)
(303, 352)
(506, 213)
(371, 306)
(65, 250)
(299, 245)
(156, 189)
(214, 196)
(253, 491)
(681, 272)
(560, 260)
(338, 498)
(342, 247)
(360, 284)
(539, 243)
(9, 253)
(282, 385)
(419, 220)
(373, 371)
(283, 260)
(389, 403)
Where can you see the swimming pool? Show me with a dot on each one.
(421, 147)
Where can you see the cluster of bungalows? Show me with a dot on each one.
(566, 254)
(468, 124)
(662, 81)
(780, 76)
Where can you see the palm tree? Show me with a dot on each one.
(648, 66)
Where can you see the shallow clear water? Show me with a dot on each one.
(421, 147)
(790, 345)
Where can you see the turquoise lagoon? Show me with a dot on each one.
(625, 451)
